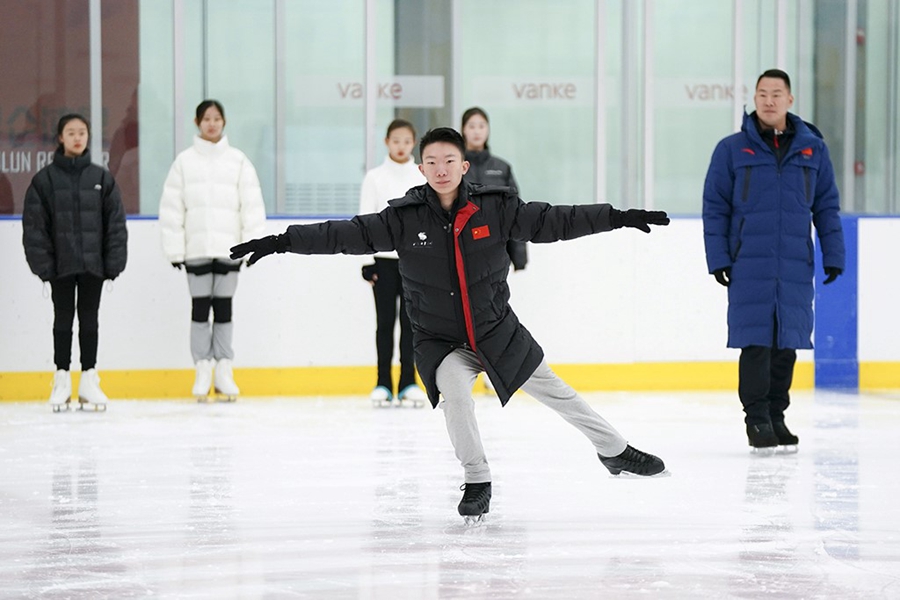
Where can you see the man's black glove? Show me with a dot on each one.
(723, 276)
(178, 265)
(370, 273)
(261, 247)
(637, 218)
(832, 273)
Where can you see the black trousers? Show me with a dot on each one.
(388, 288)
(86, 288)
(765, 382)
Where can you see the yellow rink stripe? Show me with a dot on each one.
(358, 381)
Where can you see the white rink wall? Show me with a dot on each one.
(619, 297)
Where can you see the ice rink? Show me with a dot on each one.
(331, 498)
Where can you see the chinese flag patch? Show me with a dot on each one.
(806, 152)
(480, 232)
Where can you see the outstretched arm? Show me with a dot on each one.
(541, 222)
(363, 234)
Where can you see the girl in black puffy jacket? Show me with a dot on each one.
(75, 238)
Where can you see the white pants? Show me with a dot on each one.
(455, 377)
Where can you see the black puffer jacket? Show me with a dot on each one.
(73, 221)
(487, 169)
(454, 269)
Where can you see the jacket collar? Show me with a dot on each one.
(804, 133)
(208, 148)
(424, 194)
(72, 164)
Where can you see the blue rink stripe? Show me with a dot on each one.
(837, 311)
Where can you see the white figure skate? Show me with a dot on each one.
(225, 386)
(61, 396)
(90, 396)
(203, 380)
(413, 394)
(381, 397)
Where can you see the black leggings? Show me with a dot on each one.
(89, 288)
(387, 290)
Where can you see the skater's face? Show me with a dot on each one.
(443, 167)
(400, 144)
(74, 138)
(211, 125)
(773, 100)
(476, 132)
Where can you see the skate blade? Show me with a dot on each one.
(413, 403)
(474, 520)
(630, 475)
(86, 406)
(223, 397)
(787, 449)
(64, 407)
(768, 451)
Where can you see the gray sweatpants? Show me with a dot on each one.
(211, 340)
(455, 377)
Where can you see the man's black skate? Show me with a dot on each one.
(762, 438)
(476, 501)
(634, 462)
(787, 441)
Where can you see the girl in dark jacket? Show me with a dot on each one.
(75, 237)
(487, 169)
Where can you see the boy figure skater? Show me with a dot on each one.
(451, 240)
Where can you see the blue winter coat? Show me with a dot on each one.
(757, 220)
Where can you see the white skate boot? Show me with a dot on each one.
(413, 393)
(224, 380)
(203, 380)
(381, 396)
(61, 395)
(89, 393)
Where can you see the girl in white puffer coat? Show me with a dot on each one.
(211, 201)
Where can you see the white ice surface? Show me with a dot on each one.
(330, 498)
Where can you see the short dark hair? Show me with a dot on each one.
(776, 74)
(471, 112)
(442, 134)
(205, 105)
(400, 124)
(71, 117)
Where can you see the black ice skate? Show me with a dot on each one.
(633, 462)
(476, 502)
(787, 441)
(762, 439)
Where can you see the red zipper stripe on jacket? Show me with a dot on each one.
(459, 222)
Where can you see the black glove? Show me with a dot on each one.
(723, 276)
(370, 272)
(261, 247)
(832, 273)
(178, 265)
(637, 218)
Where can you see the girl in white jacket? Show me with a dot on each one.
(211, 201)
(392, 179)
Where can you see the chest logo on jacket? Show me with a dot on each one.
(423, 242)
(493, 172)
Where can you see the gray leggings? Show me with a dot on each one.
(455, 377)
(211, 289)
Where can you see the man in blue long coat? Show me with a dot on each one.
(765, 187)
